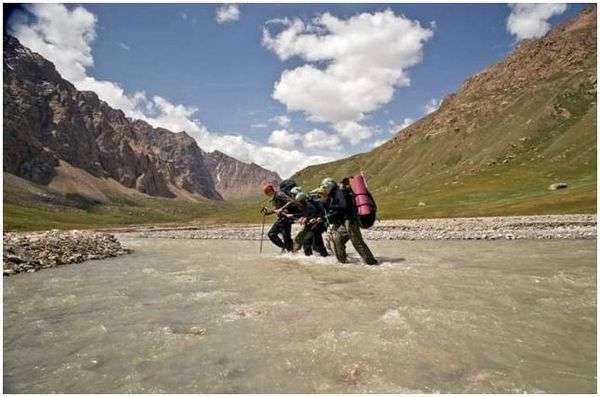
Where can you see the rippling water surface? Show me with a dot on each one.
(213, 316)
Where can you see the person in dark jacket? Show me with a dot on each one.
(343, 220)
(285, 208)
(313, 223)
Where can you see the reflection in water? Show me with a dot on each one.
(213, 316)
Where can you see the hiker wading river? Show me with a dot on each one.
(337, 210)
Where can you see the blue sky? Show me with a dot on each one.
(180, 53)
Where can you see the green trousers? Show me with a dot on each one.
(350, 230)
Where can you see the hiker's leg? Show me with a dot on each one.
(359, 243)
(328, 240)
(274, 234)
(318, 244)
(340, 238)
(287, 235)
(298, 240)
(307, 242)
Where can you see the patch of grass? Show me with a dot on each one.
(502, 167)
(26, 212)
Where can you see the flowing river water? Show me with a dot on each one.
(193, 316)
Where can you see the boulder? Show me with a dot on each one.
(558, 185)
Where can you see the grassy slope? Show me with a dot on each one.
(25, 210)
(493, 170)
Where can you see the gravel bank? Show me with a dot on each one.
(29, 252)
(489, 228)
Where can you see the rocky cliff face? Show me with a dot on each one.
(46, 120)
(235, 179)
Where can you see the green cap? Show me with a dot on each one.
(328, 184)
(301, 196)
(296, 189)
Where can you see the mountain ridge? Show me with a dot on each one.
(47, 120)
(231, 176)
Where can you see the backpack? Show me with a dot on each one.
(366, 209)
(287, 185)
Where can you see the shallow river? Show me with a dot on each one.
(184, 316)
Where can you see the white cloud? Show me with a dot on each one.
(353, 131)
(283, 139)
(395, 128)
(282, 121)
(183, 16)
(258, 125)
(228, 13)
(353, 65)
(431, 106)
(321, 140)
(285, 162)
(124, 46)
(527, 21)
(64, 36)
(378, 143)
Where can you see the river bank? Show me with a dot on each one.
(545, 227)
(29, 252)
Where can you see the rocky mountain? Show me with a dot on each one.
(235, 179)
(498, 143)
(53, 132)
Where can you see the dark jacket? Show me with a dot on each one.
(339, 205)
(312, 209)
(280, 199)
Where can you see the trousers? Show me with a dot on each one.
(350, 230)
(313, 239)
(283, 227)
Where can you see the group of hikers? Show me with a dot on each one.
(337, 210)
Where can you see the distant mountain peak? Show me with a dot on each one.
(237, 179)
(47, 121)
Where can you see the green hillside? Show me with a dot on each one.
(496, 146)
(29, 206)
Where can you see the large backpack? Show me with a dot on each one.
(366, 209)
(287, 185)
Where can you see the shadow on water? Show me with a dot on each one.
(389, 260)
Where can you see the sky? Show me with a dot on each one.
(281, 85)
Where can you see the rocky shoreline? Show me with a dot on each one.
(546, 227)
(29, 252)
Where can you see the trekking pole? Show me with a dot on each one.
(262, 233)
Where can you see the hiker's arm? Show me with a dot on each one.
(282, 209)
(266, 211)
(284, 197)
